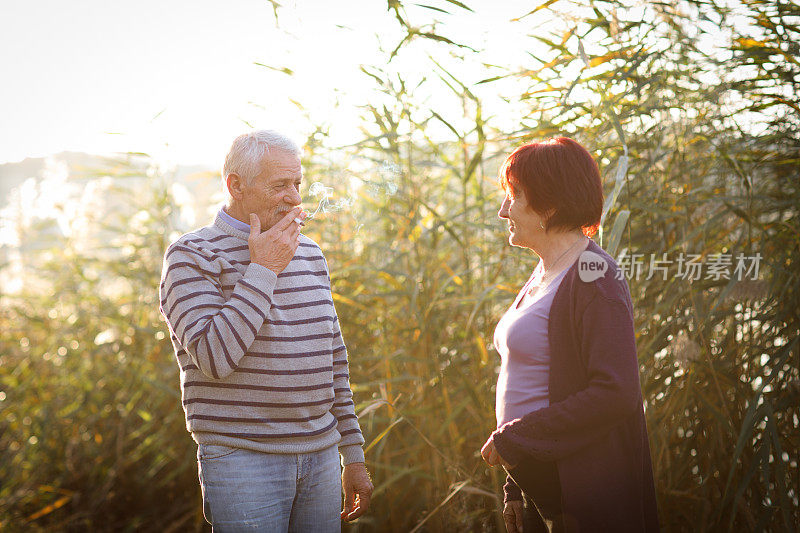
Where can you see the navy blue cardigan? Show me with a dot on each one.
(594, 428)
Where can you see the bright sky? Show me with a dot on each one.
(177, 78)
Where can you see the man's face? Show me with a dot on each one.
(275, 190)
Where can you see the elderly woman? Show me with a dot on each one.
(570, 424)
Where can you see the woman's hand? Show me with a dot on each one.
(491, 455)
(512, 516)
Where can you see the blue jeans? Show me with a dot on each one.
(245, 490)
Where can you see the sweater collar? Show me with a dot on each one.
(233, 222)
(231, 226)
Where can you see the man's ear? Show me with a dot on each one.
(235, 186)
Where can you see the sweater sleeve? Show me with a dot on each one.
(215, 332)
(343, 407)
(612, 393)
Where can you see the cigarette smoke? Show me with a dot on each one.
(319, 189)
(384, 184)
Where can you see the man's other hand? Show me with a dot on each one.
(357, 491)
(275, 247)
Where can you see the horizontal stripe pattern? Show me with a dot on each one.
(245, 403)
(294, 434)
(261, 357)
(247, 420)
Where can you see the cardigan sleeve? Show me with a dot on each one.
(612, 391)
(511, 491)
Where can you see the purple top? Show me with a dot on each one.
(522, 342)
(594, 426)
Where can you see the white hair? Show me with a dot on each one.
(249, 149)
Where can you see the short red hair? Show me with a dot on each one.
(558, 177)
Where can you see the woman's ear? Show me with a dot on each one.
(547, 215)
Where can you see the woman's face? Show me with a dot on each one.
(524, 224)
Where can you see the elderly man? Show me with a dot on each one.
(263, 368)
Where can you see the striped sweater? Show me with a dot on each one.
(262, 361)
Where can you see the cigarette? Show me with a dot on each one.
(299, 221)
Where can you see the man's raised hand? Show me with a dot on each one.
(275, 247)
